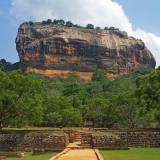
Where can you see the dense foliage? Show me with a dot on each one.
(7, 66)
(69, 24)
(20, 99)
(28, 99)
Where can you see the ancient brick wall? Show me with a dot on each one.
(123, 138)
(141, 138)
(108, 142)
(103, 141)
(33, 141)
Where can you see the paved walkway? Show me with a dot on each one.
(75, 145)
(79, 154)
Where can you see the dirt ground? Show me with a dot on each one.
(79, 154)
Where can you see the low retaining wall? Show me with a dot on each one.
(103, 141)
(33, 141)
(122, 139)
(109, 142)
(140, 139)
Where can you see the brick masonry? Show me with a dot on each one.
(33, 141)
(121, 139)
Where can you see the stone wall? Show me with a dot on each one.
(117, 139)
(141, 138)
(103, 141)
(138, 138)
(109, 142)
(87, 139)
(33, 141)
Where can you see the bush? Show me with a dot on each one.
(98, 28)
(90, 26)
(106, 28)
(31, 23)
(69, 24)
(49, 21)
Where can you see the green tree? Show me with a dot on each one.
(90, 26)
(106, 28)
(95, 89)
(148, 95)
(49, 21)
(100, 112)
(54, 119)
(72, 85)
(98, 28)
(61, 22)
(142, 70)
(31, 23)
(126, 109)
(71, 117)
(20, 99)
(69, 24)
(99, 75)
(4, 65)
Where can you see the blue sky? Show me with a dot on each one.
(137, 17)
(143, 13)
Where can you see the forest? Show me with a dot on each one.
(131, 101)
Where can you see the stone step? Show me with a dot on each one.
(78, 137)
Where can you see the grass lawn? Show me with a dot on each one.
(45, 156)
(132, 154)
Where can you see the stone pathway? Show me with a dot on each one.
(76, 151)
(79, 154)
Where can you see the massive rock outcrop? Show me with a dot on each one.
(55, 50)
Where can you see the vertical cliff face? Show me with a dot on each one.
(55, 50)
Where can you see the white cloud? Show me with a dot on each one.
(101, 13)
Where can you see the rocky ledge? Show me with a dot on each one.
(56, 50)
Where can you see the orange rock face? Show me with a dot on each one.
(31, 57)
(56, 51)
(60, 73)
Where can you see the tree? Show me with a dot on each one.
(69, 24)
(112, 28)
(126, 109)
(100, 112)
(31, 23)
(98, 28)
(61, 22)
(71, 117)
(72, 85)
(54, 119)
(4, 65)
(55, 21)
(106, 28)
(148, 95)
(44, 22)
(95, 89)
(20, 99)
(99, 75)
(142, 70)
(90, 26)
(49, 21)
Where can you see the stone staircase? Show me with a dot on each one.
(77, 136)
(78, 144)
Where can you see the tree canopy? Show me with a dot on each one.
(29, 100)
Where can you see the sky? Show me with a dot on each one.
(140, 18)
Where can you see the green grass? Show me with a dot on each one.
(133, 154)
(41, 129)
(45, 156)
